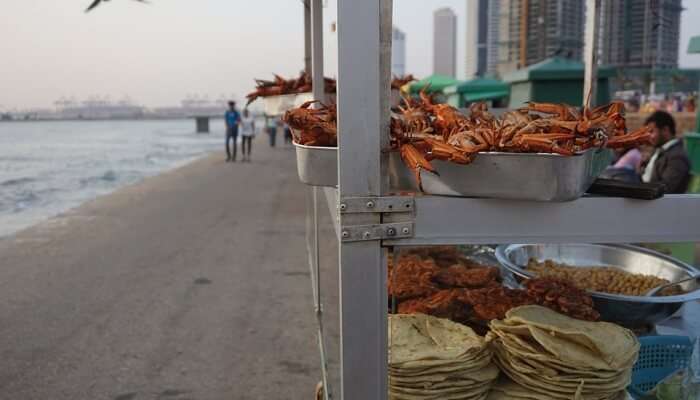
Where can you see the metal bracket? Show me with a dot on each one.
(388, 204)
(358, 233)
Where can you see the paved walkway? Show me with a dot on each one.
(191, 285)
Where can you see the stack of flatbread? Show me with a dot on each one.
(434, 358)
(545, 355)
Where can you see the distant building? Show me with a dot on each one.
(640, 33)
(445, 42)
(533, 30)
(483, 37)
(398, 52)
(97, 107)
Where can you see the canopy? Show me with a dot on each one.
(433, 83)
(480, 89)
(555, 68)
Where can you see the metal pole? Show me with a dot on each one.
(591, 72)
(363, 90)
(317, 50)
(307, 36)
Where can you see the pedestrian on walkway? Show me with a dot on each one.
(271, 127)
(287, 134)
(233, 119)
(248, 132)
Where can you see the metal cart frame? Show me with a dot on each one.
(368, 219)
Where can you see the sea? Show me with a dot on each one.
(48, 167)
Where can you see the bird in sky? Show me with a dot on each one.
(98, 2)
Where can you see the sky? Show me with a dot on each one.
(161, 52)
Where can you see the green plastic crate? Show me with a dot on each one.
(692, 146)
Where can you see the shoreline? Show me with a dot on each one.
(66, 212)
(192, 281)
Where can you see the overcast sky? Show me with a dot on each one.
(161, 52)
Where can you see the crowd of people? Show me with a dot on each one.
(244, 123)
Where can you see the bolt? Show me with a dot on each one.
(366, 235)
(343, 206)
(370, 204)
(345, 234)
(405, 231)
(391, 232)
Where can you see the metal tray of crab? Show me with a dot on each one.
(542, 152)
(520, 176)
(316, 141)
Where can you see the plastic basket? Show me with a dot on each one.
(659, 356)
(692, 146)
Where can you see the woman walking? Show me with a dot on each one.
(247, 132)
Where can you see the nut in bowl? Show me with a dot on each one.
(626, 305)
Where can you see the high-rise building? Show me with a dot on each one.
(483, 19)
(533, 30)
(398, 52)
(640, 33)
(445, 42)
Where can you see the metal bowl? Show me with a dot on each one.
(630, 311)
(317, 166)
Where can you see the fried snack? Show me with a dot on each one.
(493, 302)
(459, 276)
(562, 296)
(601, 279)
(411, 276)
(446, 303)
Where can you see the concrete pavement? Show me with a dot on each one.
(190, 285)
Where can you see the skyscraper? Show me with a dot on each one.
(398, 52)
(533, 30)
(483, 19)
(640, 33)
(445, 42)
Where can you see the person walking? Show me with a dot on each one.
(233, 119)
(248, 132)
(271, 127)
(288, 138)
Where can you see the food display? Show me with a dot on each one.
(434, 358)
(472, 294)
(546, 355)
(281, 86)
(425, 130)
(313, 126)
(400, 81)
(602, 279)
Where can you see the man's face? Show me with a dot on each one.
(659, 136)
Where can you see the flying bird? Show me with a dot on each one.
(98, 2)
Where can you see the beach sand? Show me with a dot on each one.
(190, 285)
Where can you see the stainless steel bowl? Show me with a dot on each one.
(630, 311)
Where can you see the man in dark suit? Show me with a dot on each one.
(669, 163)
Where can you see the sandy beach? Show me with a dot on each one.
(190, 285)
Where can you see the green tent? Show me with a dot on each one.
(479, 89)
(432, 84)
(555, 80)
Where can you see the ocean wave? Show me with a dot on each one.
(17, 181)
(107, 176)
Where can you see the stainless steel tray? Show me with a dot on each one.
(630, 311)
(521, 176)
(317, 166)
